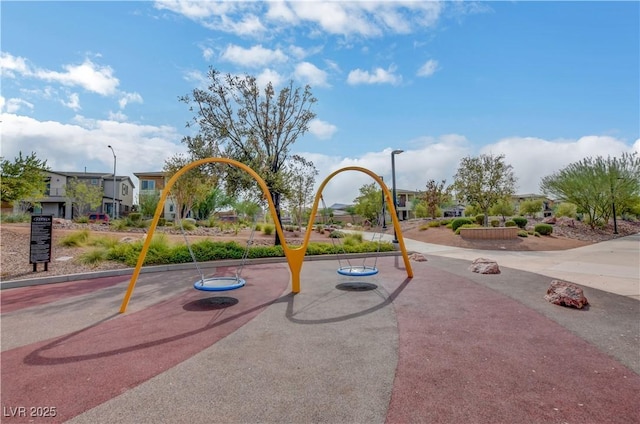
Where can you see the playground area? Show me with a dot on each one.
(446, 346)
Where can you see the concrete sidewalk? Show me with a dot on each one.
(612, 266)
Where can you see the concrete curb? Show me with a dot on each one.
(174, 267)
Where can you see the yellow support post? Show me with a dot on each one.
(295, 257)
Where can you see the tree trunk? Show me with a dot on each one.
(276, 202)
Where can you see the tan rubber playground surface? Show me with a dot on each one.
(448, 346)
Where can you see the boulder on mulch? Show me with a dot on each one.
(484, 266)
(565, 294)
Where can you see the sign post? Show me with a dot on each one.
(41, 236)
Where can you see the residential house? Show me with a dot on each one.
(404, 203)
(56, 203)
(547, 204)
(154, 183)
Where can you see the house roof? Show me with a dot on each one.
(93, 175)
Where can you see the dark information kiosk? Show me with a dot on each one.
(40, 249)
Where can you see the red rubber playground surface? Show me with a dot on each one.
(448, 346)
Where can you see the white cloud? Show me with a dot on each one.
(544, 157)
(207, 53)
(88, 75)
(429, 68)
(308, 73)
(269, 76)
(321, 129)
(118, 116)
(11, 65)
(378, 76)
(196, 77)
(255, 56)
(72, 147)
(73, 103)
(127, 98)
(13, 105)
(359, 18)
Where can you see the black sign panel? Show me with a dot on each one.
(41, 230)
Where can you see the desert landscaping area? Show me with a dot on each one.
(14, 242)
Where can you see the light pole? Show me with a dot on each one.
(115, 210)
(384, 218)
(613, 206)
(393, 188)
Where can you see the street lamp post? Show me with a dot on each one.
(613, 206)
(115, 210)
(384, 218)
(393, 188)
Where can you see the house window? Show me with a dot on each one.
(170, 208)
(125, 189)
(147, 185)
(94, 181)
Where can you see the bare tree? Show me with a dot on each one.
(239, 120)
(435, 195)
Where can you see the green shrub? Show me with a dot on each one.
(424, 227)
(267, 229)
(93, 256)
(19, 217)
(161, 222)
(495, 222)
(445, 222)
(510, 223)
(543, 229)
(118, 224)
(82, 219)
(456, 223)
(479, 219)
(103, 241)
(466, 226)
(336, 234)
(520, 221)
(523, 233)
(471, 210)
(187, 224)
(355, 236)
(135, 216)
(75, 239)
(566, 209)
(258, 227)
(434, 224)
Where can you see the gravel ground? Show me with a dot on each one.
(14, 244)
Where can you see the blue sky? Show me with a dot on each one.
(544, 83)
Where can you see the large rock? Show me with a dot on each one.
(418, 257)
(484, 266)
(565, 294)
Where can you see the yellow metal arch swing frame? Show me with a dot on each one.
(294, 256)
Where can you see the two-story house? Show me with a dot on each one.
(152, 183)
(57, 203)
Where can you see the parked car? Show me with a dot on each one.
(99, 218)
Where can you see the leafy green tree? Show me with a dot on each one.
(214, 201)
(84, 197)
(351, 210)
(192, 186)
(483, 181)
(247, 210)
(369, 204)
(594, 185)
(23, 179)
(435, 195)
(301, 178)
(149, 203)
(566, 209)
(531, 207)
(504, 208)
(253, 125)
(420, 209)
